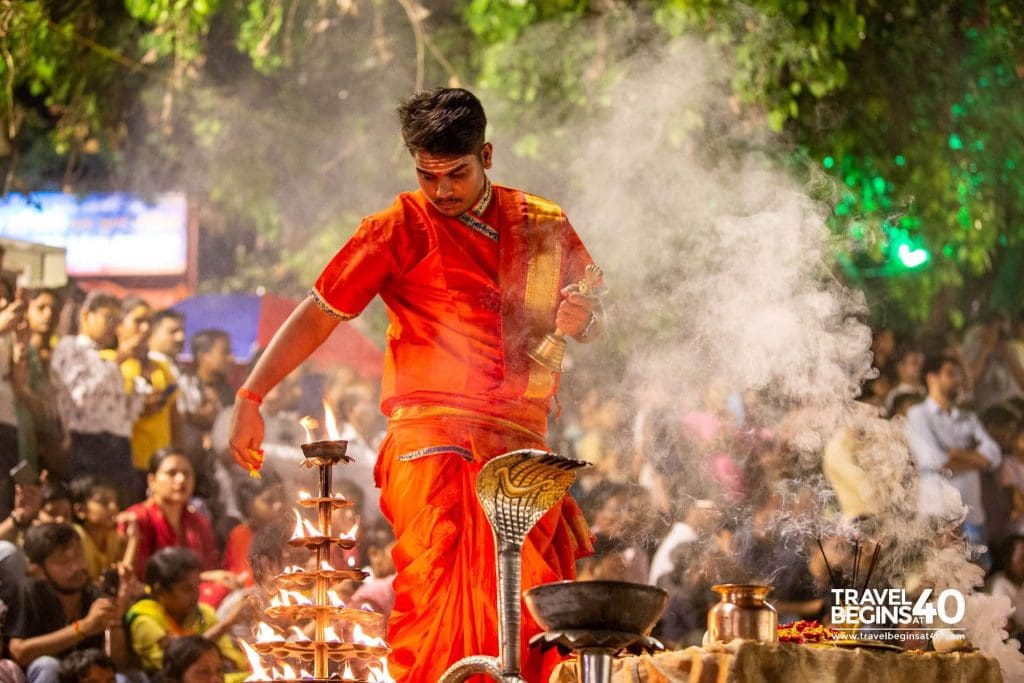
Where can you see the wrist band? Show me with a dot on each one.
(249, 395)
(77, 626)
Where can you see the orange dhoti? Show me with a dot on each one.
(446, 588)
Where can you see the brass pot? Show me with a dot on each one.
(743, 613)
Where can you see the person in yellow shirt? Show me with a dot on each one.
(158, 424)
(96, 510)
(172, 609)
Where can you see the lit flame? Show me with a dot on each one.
(309, 424)
(330, 635)
(335, 599)
(265, 633)
(326, 566)
(367, 607)
(303, 528)
(352, 562)
(347, 674)
(304, 495)
(360, 636)
(332, 424)
(305, 675)
(300, 637)
(287, 598)
(287, 671)
(255, 663)
(351, 533)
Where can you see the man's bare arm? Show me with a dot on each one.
(305, 329)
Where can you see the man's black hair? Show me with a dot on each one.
(933, 363)
(165, 314)
(44, 540)
(169, 565)
(75, 666)
(446, 121)
(203, 341)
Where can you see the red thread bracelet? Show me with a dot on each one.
(249, 395)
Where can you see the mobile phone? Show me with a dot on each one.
(110, 582)
(24, 474)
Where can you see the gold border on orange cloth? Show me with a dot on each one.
(330, 310)
(418, 412)
(542, 278)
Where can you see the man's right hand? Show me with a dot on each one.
(246, 434)
(102, 615)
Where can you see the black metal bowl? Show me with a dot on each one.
(596, 605)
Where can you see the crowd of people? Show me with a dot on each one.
(132, 546)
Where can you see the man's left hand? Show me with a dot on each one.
(574, 312)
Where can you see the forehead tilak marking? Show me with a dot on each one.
(438, 164)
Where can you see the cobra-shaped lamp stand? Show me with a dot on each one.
(515, 490)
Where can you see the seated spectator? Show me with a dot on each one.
(192, 659)
(700, 519)
(87, 666)
(377, 590)
(60, 610)
(269, 555)
(363, 432)
(167, 520)
(13, 563)
(172, 609)
(56, 503)
(10, 672)
(1008, 580)
(264, 503)
(94, 504)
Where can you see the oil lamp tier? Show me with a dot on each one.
(336, 649)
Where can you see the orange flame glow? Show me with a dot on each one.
(255, 663)
(335, 599)
(360, 636)
(309, 424)
(300, 637)
(332, 423)
(347, 674)
(265, 633)
(351, 533)
(331, 636)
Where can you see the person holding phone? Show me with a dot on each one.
(12, 311)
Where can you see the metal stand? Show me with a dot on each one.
(515, 490)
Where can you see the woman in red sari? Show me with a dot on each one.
(166, 519)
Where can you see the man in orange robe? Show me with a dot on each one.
(473, 276)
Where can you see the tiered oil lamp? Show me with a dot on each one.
(305, 594)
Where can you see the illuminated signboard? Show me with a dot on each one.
(104, 234)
